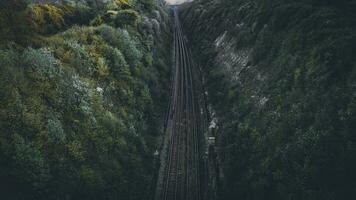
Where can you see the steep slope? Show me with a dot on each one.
(281, 79)
(83, 91)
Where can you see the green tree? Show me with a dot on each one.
(15, 22)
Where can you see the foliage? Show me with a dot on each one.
(77, 115)
(25, 23)
(14, 22)
(39, 64)
(130, 47)
(127, 18)
(122, 39)
(49, 16)
(119, 4)
(286, 117)
(147, 4)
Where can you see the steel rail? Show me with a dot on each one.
(181, 170)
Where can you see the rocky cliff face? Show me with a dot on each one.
(281, 78)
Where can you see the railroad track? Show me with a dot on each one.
(180, 175)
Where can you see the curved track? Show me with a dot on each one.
(180, 171)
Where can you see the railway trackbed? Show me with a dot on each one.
(180, 176)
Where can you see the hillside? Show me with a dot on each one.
(280, 77)
(83, 92)
(208, 100)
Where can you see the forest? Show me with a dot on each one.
(281, 79)
(83, 91)
(206, 100)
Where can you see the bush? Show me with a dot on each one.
(102, 68)
(129, 47)
(118, 4)
(15, 22)
(8, 58)
(110, 35)
(97, 21)
(122, 40)
(55, 130)
(127, 18)
(49, 18)
(77, 56)
(31, 168)
(40, 64)
(117, 63)
(149, 4)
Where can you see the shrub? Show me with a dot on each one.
(109, 34)
(127, 18)
(102, 67)
(40, 64)
(48, 18)
(129, 47)
(146, 26)
(97, 21)
(121, 39)
(8, 58)
(123, 4)
(79, 58)
(55, 130)
(31, 167)
(117, 63)
(82, 14)
(14, 22)
(148, 4)
(156, 25)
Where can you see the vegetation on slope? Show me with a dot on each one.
(281, 79)
(82, 92)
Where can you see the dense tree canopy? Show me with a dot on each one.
(281, 81)
(78, 118)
